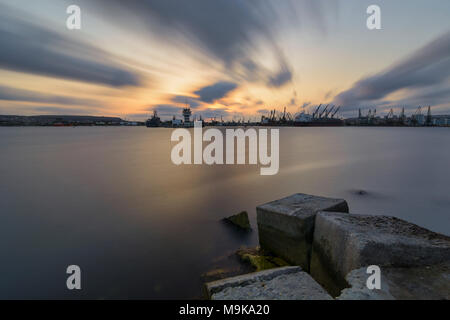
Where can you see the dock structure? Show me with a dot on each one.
(393, 119)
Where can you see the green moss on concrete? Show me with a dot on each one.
(261, 260)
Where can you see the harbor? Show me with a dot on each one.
(321, 116)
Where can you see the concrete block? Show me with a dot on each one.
(345, 242)
(287, 283)
(286, 226)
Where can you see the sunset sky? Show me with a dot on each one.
(230, 58)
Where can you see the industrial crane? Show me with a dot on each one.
(416, 115)
(329, 111)
(283, 118)
(429, 118)
(323, 111)
(317, 110)
(418, 111)
(402, 115)
(335, 111)
(390, 115)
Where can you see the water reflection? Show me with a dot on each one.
(111, 201)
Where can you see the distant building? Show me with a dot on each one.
(303, 117)
(177, 122)
(441, 120)
(187, 115)
(421, 119)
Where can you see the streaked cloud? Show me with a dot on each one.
(14, 94)
(227, 57)
(166, 110)
(212, 113)
(192, 102)
(281, 78)
(230, 31)
(215, 91)
(33, 48)
(428, 66)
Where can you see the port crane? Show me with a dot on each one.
(335, 111)
(317, 111)
(283, 118)
(329, 111)
(402, 114)
(416, 115)
(323, 111)
(390, 115)
(429, 119)
(418, 111)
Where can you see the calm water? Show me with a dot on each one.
(111, 201)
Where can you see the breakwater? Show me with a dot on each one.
(332, 248)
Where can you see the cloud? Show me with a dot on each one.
(215, 91)
(281, 78)
(31, 48)
(328, 95)
(212, 113)
(192, 102)
(14, 94)
(305, 105)
(222, 27)
(229, 31)
(435, 96)
(166, 110)
(426, 68)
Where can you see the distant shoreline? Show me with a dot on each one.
(89, 121)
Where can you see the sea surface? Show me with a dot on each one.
(110, 200)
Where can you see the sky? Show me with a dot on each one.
(224, 58)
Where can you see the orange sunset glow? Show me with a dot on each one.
(223, 60)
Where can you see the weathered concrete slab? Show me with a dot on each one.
(287, 283)
(345, 242)
(415, 283)
(286, 226)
